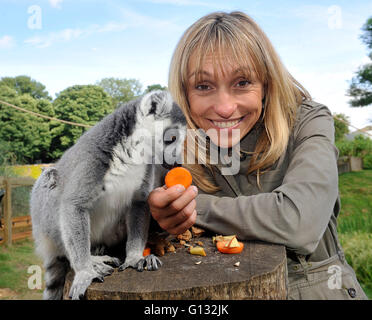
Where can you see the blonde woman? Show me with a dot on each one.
(227, 78)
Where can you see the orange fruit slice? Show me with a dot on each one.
(221, 247)
(178, 175)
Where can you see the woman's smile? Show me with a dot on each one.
(227, 124)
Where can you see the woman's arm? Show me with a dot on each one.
(296, 213)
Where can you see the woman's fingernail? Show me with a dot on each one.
(195, 189)
(180, 188)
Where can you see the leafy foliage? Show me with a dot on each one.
(367, 161)
(341, 127)
(24, 137)
(361, 146)
(26, 85)
(121, 90)
(361, 85)
(345, 147)
(154, 87)
(85, 104)
(367, 35)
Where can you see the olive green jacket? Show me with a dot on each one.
(297, 204)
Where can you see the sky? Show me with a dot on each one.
(61, 43)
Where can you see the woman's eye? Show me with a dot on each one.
(243, 83)
(202, 87)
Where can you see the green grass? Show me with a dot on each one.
(358, 253)
(14, 262)
(355, 224)
(356, 202)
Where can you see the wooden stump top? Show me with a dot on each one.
(260, 275)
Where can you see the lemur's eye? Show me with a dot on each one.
(153, 108)
(168, 142)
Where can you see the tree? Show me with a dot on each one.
(341, 122)
(121, 90)
(85, 104)
(24, 136)
(24, 84)
(367, 36)
(361, 85)
(362, 146)
(155, 87)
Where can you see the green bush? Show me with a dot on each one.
(359, 147)
(362, 146)
(345, 147)
(367, 161)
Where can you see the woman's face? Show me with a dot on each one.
(223, 101)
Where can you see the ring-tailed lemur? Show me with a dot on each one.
(97, 193)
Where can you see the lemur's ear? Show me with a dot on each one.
(154, 102)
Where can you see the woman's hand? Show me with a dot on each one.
(173, 208)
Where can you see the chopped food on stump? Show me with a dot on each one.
(228, 244)
(197, 251)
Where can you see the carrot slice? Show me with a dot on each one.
(221, 247)
(178, 175)
(146, 252)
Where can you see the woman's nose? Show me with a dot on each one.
(225, 105)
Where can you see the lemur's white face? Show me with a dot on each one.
(163, 129)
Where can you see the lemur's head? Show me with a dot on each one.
(164, 120)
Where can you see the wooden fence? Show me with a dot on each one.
(9, 224)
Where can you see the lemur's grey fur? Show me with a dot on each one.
(96, 194)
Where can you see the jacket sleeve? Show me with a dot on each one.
(296, 213)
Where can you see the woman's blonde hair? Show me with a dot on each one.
(236, 37)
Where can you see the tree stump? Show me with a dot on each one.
(261, 274)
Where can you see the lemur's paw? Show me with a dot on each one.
(103, 269)
(112, 261)
(127, 264)
(104, 265)
(81, 282)
(151, 261)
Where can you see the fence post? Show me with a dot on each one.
(7, 213)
